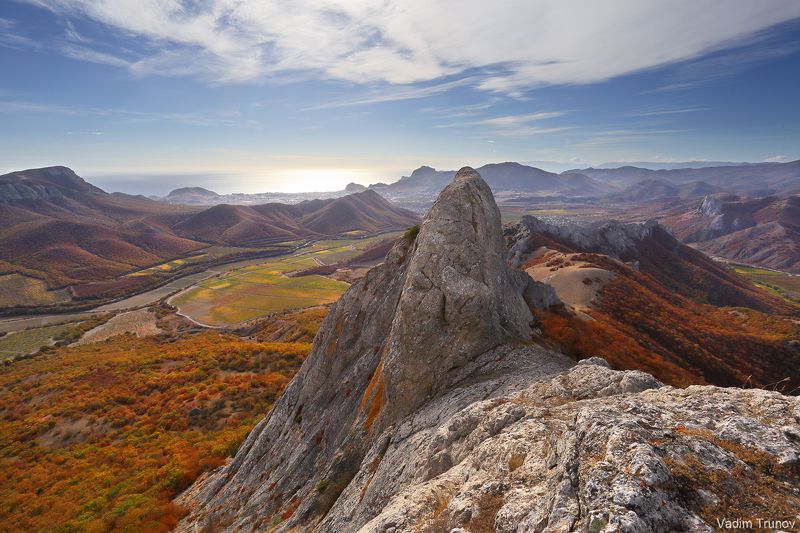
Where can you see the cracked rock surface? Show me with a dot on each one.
(425, 406)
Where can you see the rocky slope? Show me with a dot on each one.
(648, 247)
(756, 231)
(425, 406)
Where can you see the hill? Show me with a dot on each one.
(56, 227)
(651, 303)
(755, 231)
(59, 228)
(366, 211)
(191, 196)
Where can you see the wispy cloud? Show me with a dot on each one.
(400, 42)
(217, 118)
(9, 38)
(396, 94)
(93, 56)
(724, 65)
(522, 125)
(672, 111)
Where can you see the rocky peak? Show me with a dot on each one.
(442, 309)
(354, 187)
(710, 206)
(459, 298)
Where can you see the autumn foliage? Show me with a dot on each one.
(639, 324)
(103, 436)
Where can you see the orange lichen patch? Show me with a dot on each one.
(373, 467)
(372, 381)
(294, 503)
(757, 486)
(335, 337)
(375, 408)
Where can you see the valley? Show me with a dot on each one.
(224, 296)
(245, 291)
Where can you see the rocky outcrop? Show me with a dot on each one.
(611, 238)
(425, 406)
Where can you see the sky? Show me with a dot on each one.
(144, 96)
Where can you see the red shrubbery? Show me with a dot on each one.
(105, 435)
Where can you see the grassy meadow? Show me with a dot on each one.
(261, 289)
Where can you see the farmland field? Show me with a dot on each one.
(16, 289)
(262, 288)
(779, 283)
(29, 340)
(205, 255)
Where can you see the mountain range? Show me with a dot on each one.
(755, 231)
(59, 228)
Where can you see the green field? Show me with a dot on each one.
(512, 213)
(30, 340)
(205, 255)
(260, 289)
(778, 283)
(16, 289)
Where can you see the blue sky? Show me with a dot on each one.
(249, 96)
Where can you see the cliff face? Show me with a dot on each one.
(425, 406)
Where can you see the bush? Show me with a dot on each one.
(411, 233)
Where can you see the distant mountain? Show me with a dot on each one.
(757, 179)
(755, 231)
(502, 178)
(191, 196)
(653, 189)
(354, 187)
(251, 225)
(652, 165)
(49, 183)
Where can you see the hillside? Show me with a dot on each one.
(366, 211)
(428, 403)
(755, 231)
(650, 303)
(57, 228)
(119, 428)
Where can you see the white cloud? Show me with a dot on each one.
(777, 159)
(516, 44)
(395, 94)
(667, 111)
(513, 125)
